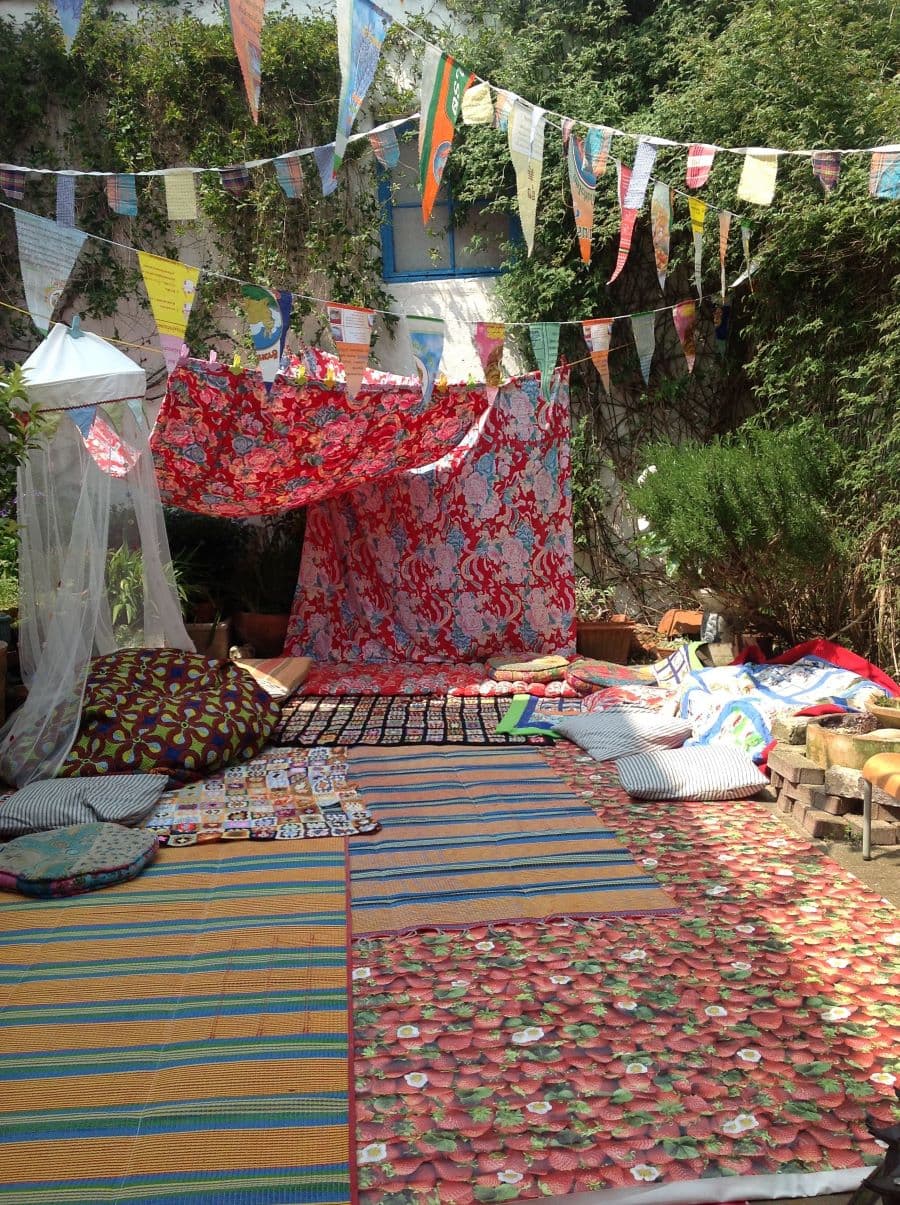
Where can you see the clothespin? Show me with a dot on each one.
(213, 355)
(75, 329)
(329, 375)
(301, 373)
(470, 382)
(236, 363)
(442, 381)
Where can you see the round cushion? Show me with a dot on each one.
(527, 669)
(587, 676)
(77, 858)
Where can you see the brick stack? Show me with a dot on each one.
(826, 803)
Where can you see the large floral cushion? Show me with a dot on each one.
(77, 858)
(586, 676)
(166, 712)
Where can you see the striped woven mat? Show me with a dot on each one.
(471, 836)
(182, 1037)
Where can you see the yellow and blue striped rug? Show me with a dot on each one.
(182, 1038)
(472, 836)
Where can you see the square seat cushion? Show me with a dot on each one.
(697, 772)
(55, 802)
(606, 736)
(74, 859)
(586, 676)
(523, 668)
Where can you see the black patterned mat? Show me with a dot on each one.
(395, 720)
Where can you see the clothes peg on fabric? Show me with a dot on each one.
(442, 381)
(213, 355)
(236, 363)
(329, 375)
(300, 374)
(185, 352)
(75, 329)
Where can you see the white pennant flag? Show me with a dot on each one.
(47, 255)
(526, 149)
(644, 158)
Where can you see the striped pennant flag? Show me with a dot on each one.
(699, 164)
(235, 179)
(826, 166)
(629, 216)
(724, 230)
(121, 193)
(443, 85)
(12, 181)
(289, 172)
(597, 332)
(884, 174)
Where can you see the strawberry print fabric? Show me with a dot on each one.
(462, 560)
(222, 446)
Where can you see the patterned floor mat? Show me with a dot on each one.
(284, 795)
(746, 1037)
(395, 720)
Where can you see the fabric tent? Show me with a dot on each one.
(95, 572)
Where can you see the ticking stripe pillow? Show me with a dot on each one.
(697, 772)
(57, 802)
(607, 735)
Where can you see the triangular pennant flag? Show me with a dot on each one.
(826, 167)
(361, 27)
(427, 338)
(568, 125)
(136, 406)
(660, 223)
(12, 181)
(246, 20)
(121, 193)
(477, 105)
(503, 107)
(171, 287)
(69, 13)
(623, 179)
(47, 255)
(526, 149)
(626, 234)
(115, 412)
(583, 184)
(643, 327)
(698, 218)
(386, 147)
(644, 158)
(884, 174)
(488, 340)
(597, 333)
(745, 242)
(757, 182)
(351, 330)
(443, 86)
(267, 328)
(699, 164)
(83, 418)
(289, 174)
(545, 343)
(597, 142)
(181, 196)
(235, 179)
(684, 316)
(65, 200)
(724, 231)
(324, 157)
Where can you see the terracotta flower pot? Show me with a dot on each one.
(604, 640)
(212, 639)
(266, 634)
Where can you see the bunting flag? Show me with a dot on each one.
(121, 194)
(171, 287)
(526, 149)
(684, 315)
(623, 179)
(698, 218)
(268, 315)
(351, 330)
(386, 147)
(12, 181)
(246, 20)
(884, 174)
(47, 255)
(567, 126)
(583, 183)
(83, 418)
(65, 200)
(69, 13)
(724, 231)
(826, 167)
(745, 246)
(721, 324)
(757, 182)
(643, 327)
(181, 196)
(699, 164)
(443, 86)
(660, 223)
(644, 158)
(324, 157)
(545, 344)
(477, 105)
(235, 179)
(488, 340)
(289, 174)
(597, 332)
(503, 107)
(626, 234)
(427, 338)
(597, 142)
(361, 29)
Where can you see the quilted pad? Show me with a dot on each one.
(587, 676)
(525, 669)
(74, 859)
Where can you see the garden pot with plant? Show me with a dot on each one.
(267, 581)
(600, 634)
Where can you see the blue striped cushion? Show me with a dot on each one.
(606, 735)
(692, 773)
(54, 803)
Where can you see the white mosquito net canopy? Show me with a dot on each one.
(95, 573)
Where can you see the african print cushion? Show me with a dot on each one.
(162, 711)
(586, 676)
(122, 798)
(605, 736)
(692, 773)
(527, 669)
(74, 859)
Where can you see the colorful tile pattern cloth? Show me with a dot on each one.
(530, 716)
(482, 835)
(747, 1036)
(287, 795)
(182, 1037)
(396, 720)
(468, 558)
